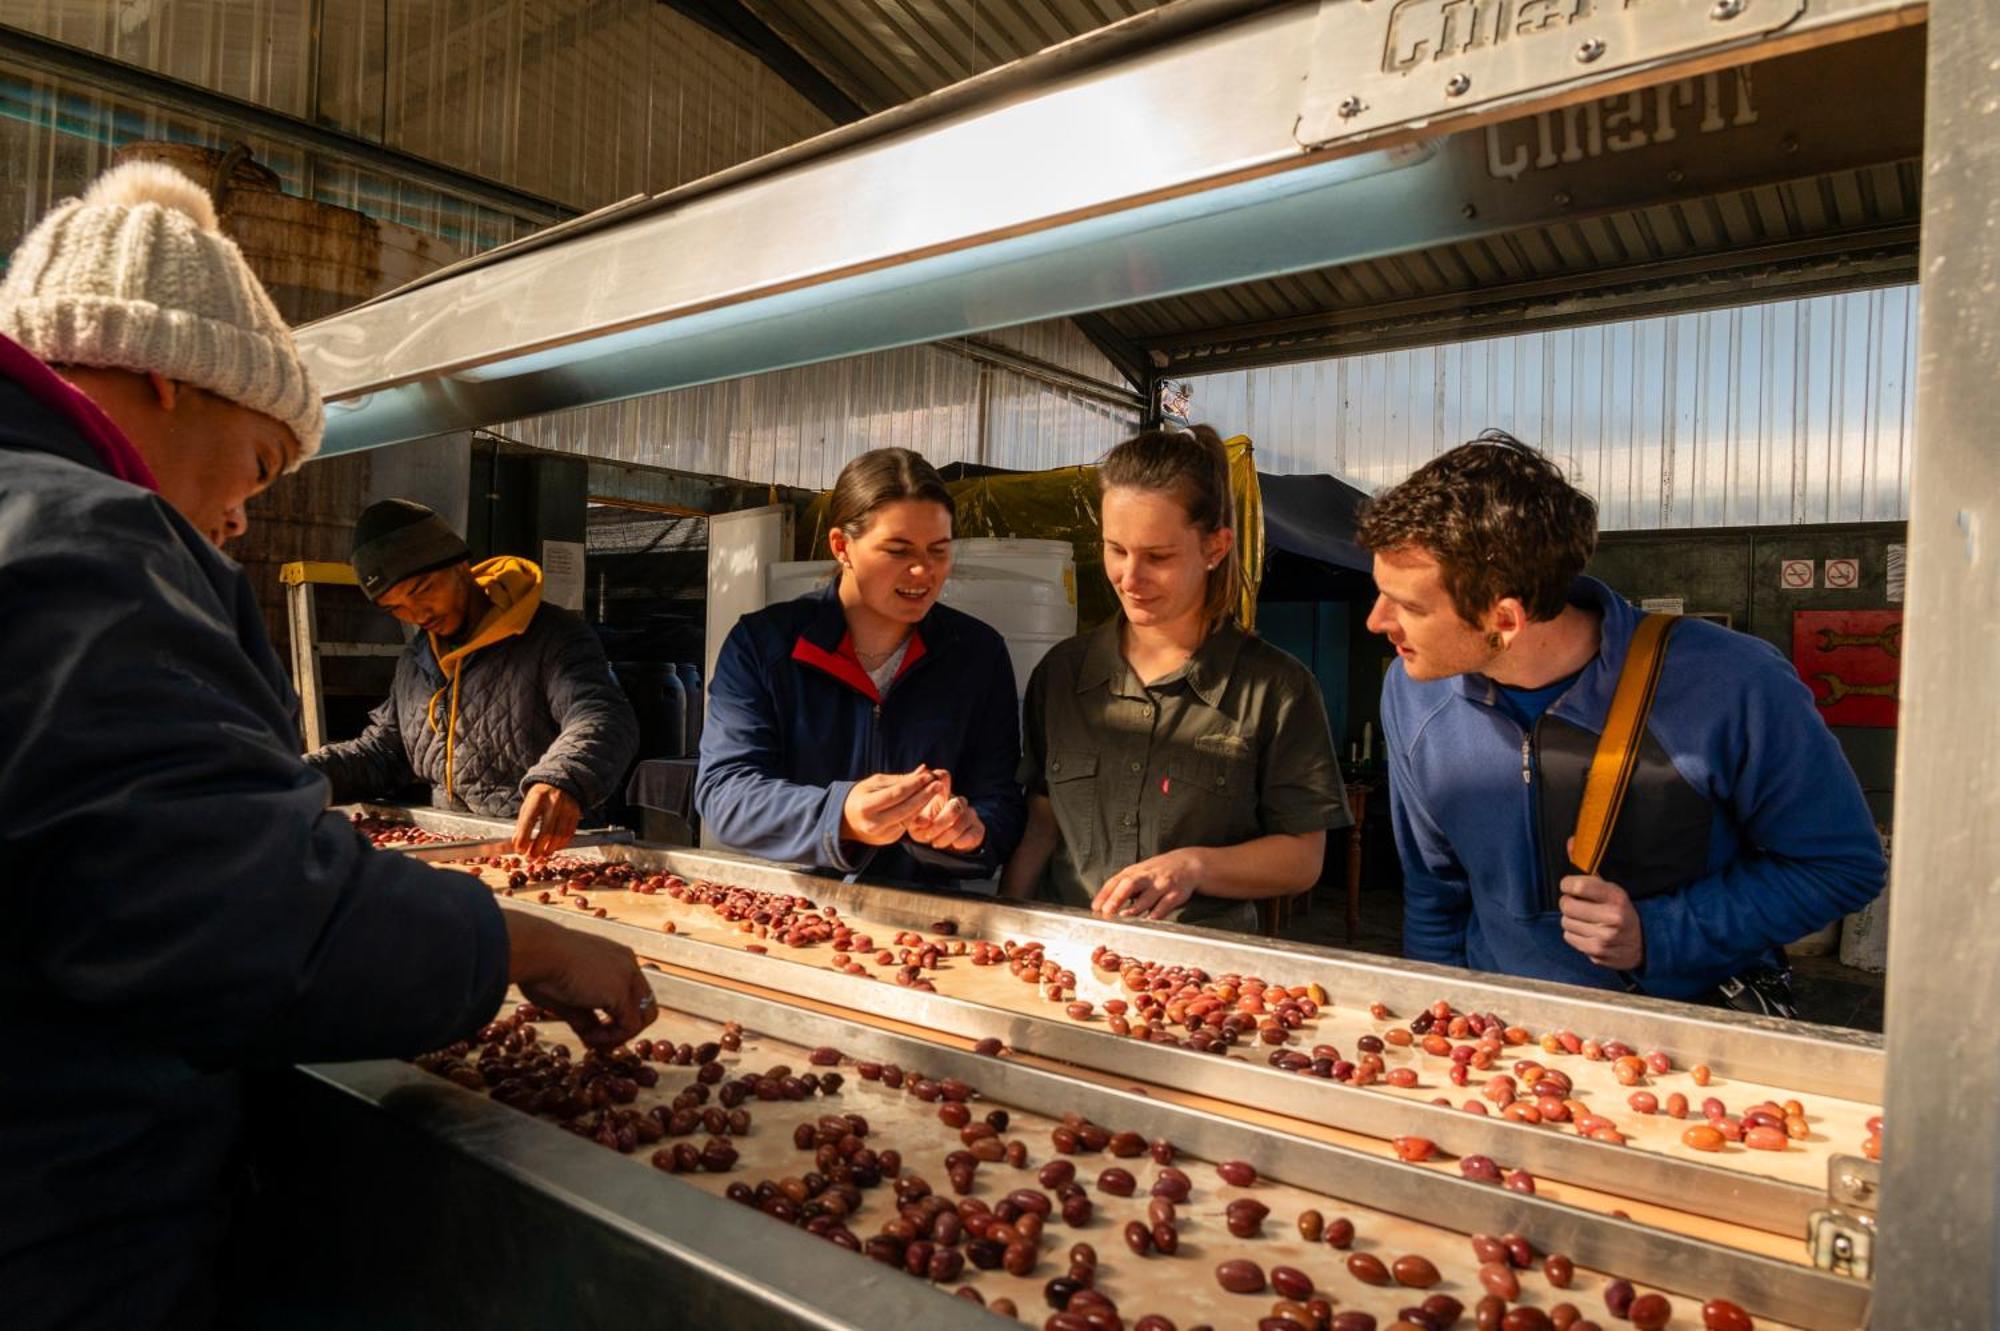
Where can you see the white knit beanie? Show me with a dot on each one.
(137, 275)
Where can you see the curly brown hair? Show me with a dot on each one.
(1500, 520)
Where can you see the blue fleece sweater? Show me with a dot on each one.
(794, 722)
(1791, 845)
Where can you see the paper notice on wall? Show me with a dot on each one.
(562, 574)
(1896, 556)
(1663, 605)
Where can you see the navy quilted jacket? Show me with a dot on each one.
(179, 901)
(533, 701)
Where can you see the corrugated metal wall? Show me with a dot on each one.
(1794, 411)
(799, 427)
(582, 101)
(258, 50)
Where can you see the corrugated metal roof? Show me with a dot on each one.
(1847, 227)
(1744, 232)
(884, 52)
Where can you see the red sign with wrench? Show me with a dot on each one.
(1852, 662)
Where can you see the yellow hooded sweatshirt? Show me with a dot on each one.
(514, 586)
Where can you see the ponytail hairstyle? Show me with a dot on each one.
(1192, 466)
(882, 476)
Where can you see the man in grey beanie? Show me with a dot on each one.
(502, 702)
(181, 904)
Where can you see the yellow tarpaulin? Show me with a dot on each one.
(1061, 505)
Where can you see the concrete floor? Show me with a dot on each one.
(1828, 992)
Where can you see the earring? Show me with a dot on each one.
(1493, 642)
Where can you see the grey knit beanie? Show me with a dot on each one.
(395, 539)
(137, 275)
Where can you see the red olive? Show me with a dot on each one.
(1722, 1315)
(1650, 1312)
(1291, 1283)
(1415, 1271)
(1368, 1269)
(1244, 1217)
(1239, 1275)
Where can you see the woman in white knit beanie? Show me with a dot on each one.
(134, 296)
(212, 914)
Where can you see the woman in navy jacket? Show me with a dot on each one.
(864, 728)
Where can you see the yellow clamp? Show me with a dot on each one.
(318, 571)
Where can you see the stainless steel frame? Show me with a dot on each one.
(1938, 1257)
(469, 833)
(1799, 1056)
(787, 270)
(1692, 1186)
(784, 1274)
(1940, 1245)
(420, 1205)
(1826, 1060)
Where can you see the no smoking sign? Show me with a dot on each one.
(1843, 573)
(1796, 575)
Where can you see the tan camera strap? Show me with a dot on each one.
(1617, 755)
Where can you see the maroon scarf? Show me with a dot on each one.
(44, 385)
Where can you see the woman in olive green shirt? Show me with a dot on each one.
(1177, 767)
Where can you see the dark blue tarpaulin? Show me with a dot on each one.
(1314, 517)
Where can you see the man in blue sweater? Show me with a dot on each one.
(1743, 829)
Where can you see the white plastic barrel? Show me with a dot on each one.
(1864, 935)
(1025, 590)
(788, 582)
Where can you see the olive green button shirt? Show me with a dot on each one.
(1233, 746)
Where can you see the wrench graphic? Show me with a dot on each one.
(1889, 639)
(1838, 688)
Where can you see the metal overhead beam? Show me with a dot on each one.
(1125, 355)
(732, 21)
(1054, 376)
(899, 235)
(669, 491)
(40, 55)
(1630, 172)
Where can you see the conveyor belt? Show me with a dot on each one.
(1741, 1215)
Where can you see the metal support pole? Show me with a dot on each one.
(1938, 1259)
(299, 601)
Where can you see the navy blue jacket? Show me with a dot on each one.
(794, 722)
(1744, 828)
(179, 902)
